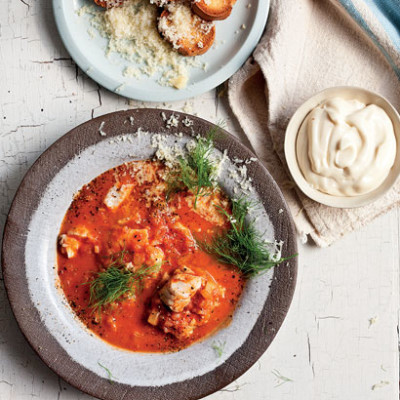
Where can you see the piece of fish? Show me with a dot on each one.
(180, 289)
(116, 195)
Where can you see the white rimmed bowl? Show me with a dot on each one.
(292, 131)
(43, 312)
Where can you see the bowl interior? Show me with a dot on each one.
(132, 368)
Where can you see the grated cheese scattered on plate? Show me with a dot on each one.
(101, 132)
(132, 33)
(172, 121)
(187, 122)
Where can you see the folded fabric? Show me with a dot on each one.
(308, 46)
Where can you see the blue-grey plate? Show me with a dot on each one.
(236, 38)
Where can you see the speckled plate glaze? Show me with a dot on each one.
(47, 321)
(235, 46)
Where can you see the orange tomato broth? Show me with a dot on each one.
(124, 323)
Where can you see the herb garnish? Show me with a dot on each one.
(116, 281)
(110, 376)
(196, 171)
(281, 378)
(218, 347)
(242, 245)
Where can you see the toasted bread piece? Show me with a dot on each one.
(109, 3)
(162, 3)
(212, 10)
(188, 33)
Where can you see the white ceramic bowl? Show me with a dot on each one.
(346, 92)
(29, 257)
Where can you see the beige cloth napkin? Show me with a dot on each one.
(309, 45)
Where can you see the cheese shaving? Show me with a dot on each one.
(101, 132)
(132, 33)
(187, 122)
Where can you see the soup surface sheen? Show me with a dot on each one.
(123, 215)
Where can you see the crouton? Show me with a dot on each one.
(189, 34)
(161, 3)
(109, 3)
(211, 10)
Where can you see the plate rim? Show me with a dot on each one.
(134, 93)
(56, 358)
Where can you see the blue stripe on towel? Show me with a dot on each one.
(388, 14)
(352, 10)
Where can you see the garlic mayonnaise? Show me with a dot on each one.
(345, 147)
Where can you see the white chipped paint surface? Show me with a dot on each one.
(327, 346)
(137, 369)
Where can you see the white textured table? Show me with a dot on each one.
(340, 338)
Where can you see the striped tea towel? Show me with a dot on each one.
(310, 45)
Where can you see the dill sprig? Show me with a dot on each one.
(109, 374)
(116, 281)
(242, 245)
(197, 170)
(281, 379)
(218, 347)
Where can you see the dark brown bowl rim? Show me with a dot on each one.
(15, 234)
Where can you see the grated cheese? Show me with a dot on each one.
(159, 3)
(241, 178)
(303, 237)
(120, 88)
(113, 3)
(132, 33)
(276, 254)
(172, 121)
(188, 108)
(190, 145)
(102, 133)
(92, 33)
(187, 122)
(131, 72)
(179, 82)
(220, 163)
(140, 132)
(170, 156)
